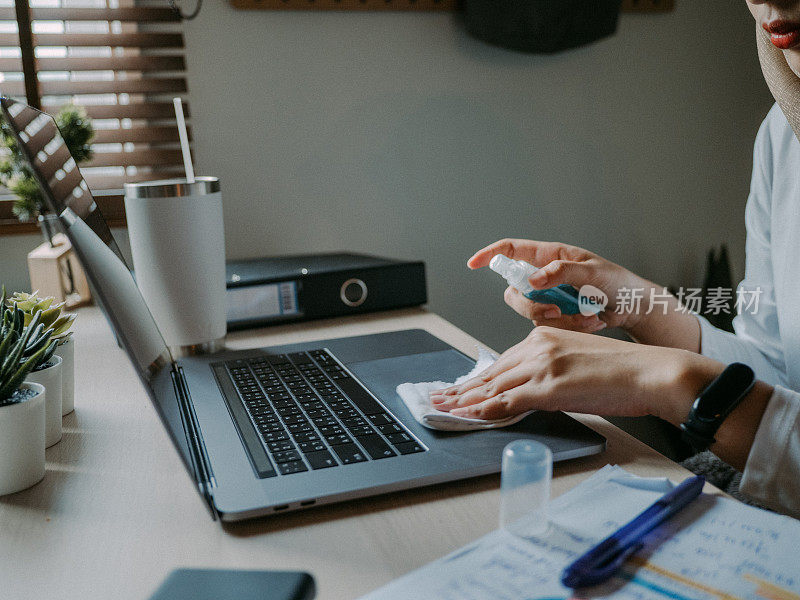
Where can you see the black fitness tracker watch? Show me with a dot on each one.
(715, 403)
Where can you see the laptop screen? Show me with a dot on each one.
(66, 194)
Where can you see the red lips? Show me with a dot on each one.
(783, 34)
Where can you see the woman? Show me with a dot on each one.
(679, 353)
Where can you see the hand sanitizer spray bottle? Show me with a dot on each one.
(564, 296)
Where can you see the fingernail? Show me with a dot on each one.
(451, 392)
(438, 399)
(601, 326)
(552, 314)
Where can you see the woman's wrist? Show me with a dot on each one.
(662, 321)
(685, 376)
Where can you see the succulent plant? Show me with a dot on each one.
(22, 349)
(51, 316)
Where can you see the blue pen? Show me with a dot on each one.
(605, 559)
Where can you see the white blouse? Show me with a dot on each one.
(768, 336)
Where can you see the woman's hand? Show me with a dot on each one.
(561, 263)
(554, 369)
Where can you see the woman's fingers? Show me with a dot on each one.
(563, 271)
(502, 406)
(550, 315)
(534, 311)
(536, 253)
(510, 359)
(495, 386)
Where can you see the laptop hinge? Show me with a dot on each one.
(201, 465)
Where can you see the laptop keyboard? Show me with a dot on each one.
(311, 414)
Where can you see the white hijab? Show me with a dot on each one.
(782, 81)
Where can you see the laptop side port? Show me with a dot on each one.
(308, 502)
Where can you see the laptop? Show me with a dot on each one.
(281, 428)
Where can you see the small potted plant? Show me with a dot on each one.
(52, 318)
(46, 369)
(22, 405)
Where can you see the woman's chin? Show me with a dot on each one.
(793, 58)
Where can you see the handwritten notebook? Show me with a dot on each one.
(716, 548)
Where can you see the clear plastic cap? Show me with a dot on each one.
(525, 488)
(514, 271)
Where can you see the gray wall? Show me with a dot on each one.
(397, 134)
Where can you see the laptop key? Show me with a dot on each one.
(390, 428)
(287, 456)
(327, 430)
(281, 446)
(284, 403)
(409, 448)
(270, 427)
(274, 436)
(376, 447)
(306, 447)
(361, 430)
(349, 454)
(365, 403)
(380, 419)
(296, 466)
(305, 436)
(321, 460)
(299, 357)
(300, 428)
(338, 440)
(399, 438)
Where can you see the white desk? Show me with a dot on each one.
(116, 510)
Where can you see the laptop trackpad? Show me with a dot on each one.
(382, 376)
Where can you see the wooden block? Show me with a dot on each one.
(50, 268)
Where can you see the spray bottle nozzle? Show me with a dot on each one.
(515, 272)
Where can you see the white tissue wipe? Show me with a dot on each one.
(416, 397)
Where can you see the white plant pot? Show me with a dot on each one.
(67, 353)
(22, 442)
(50, 378)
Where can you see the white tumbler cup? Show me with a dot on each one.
(178, 247)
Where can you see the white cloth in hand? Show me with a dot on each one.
(417, 398)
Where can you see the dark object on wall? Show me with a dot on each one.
(541, 25)
(718, 288)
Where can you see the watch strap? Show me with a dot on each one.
(715, 403)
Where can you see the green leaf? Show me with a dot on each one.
(5, 345)
(63, 324)
(50, 316)
(33, 338)
(10, 384)
(13, 358)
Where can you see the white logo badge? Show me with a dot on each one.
(591, 300)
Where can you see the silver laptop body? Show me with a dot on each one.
(281, 428)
